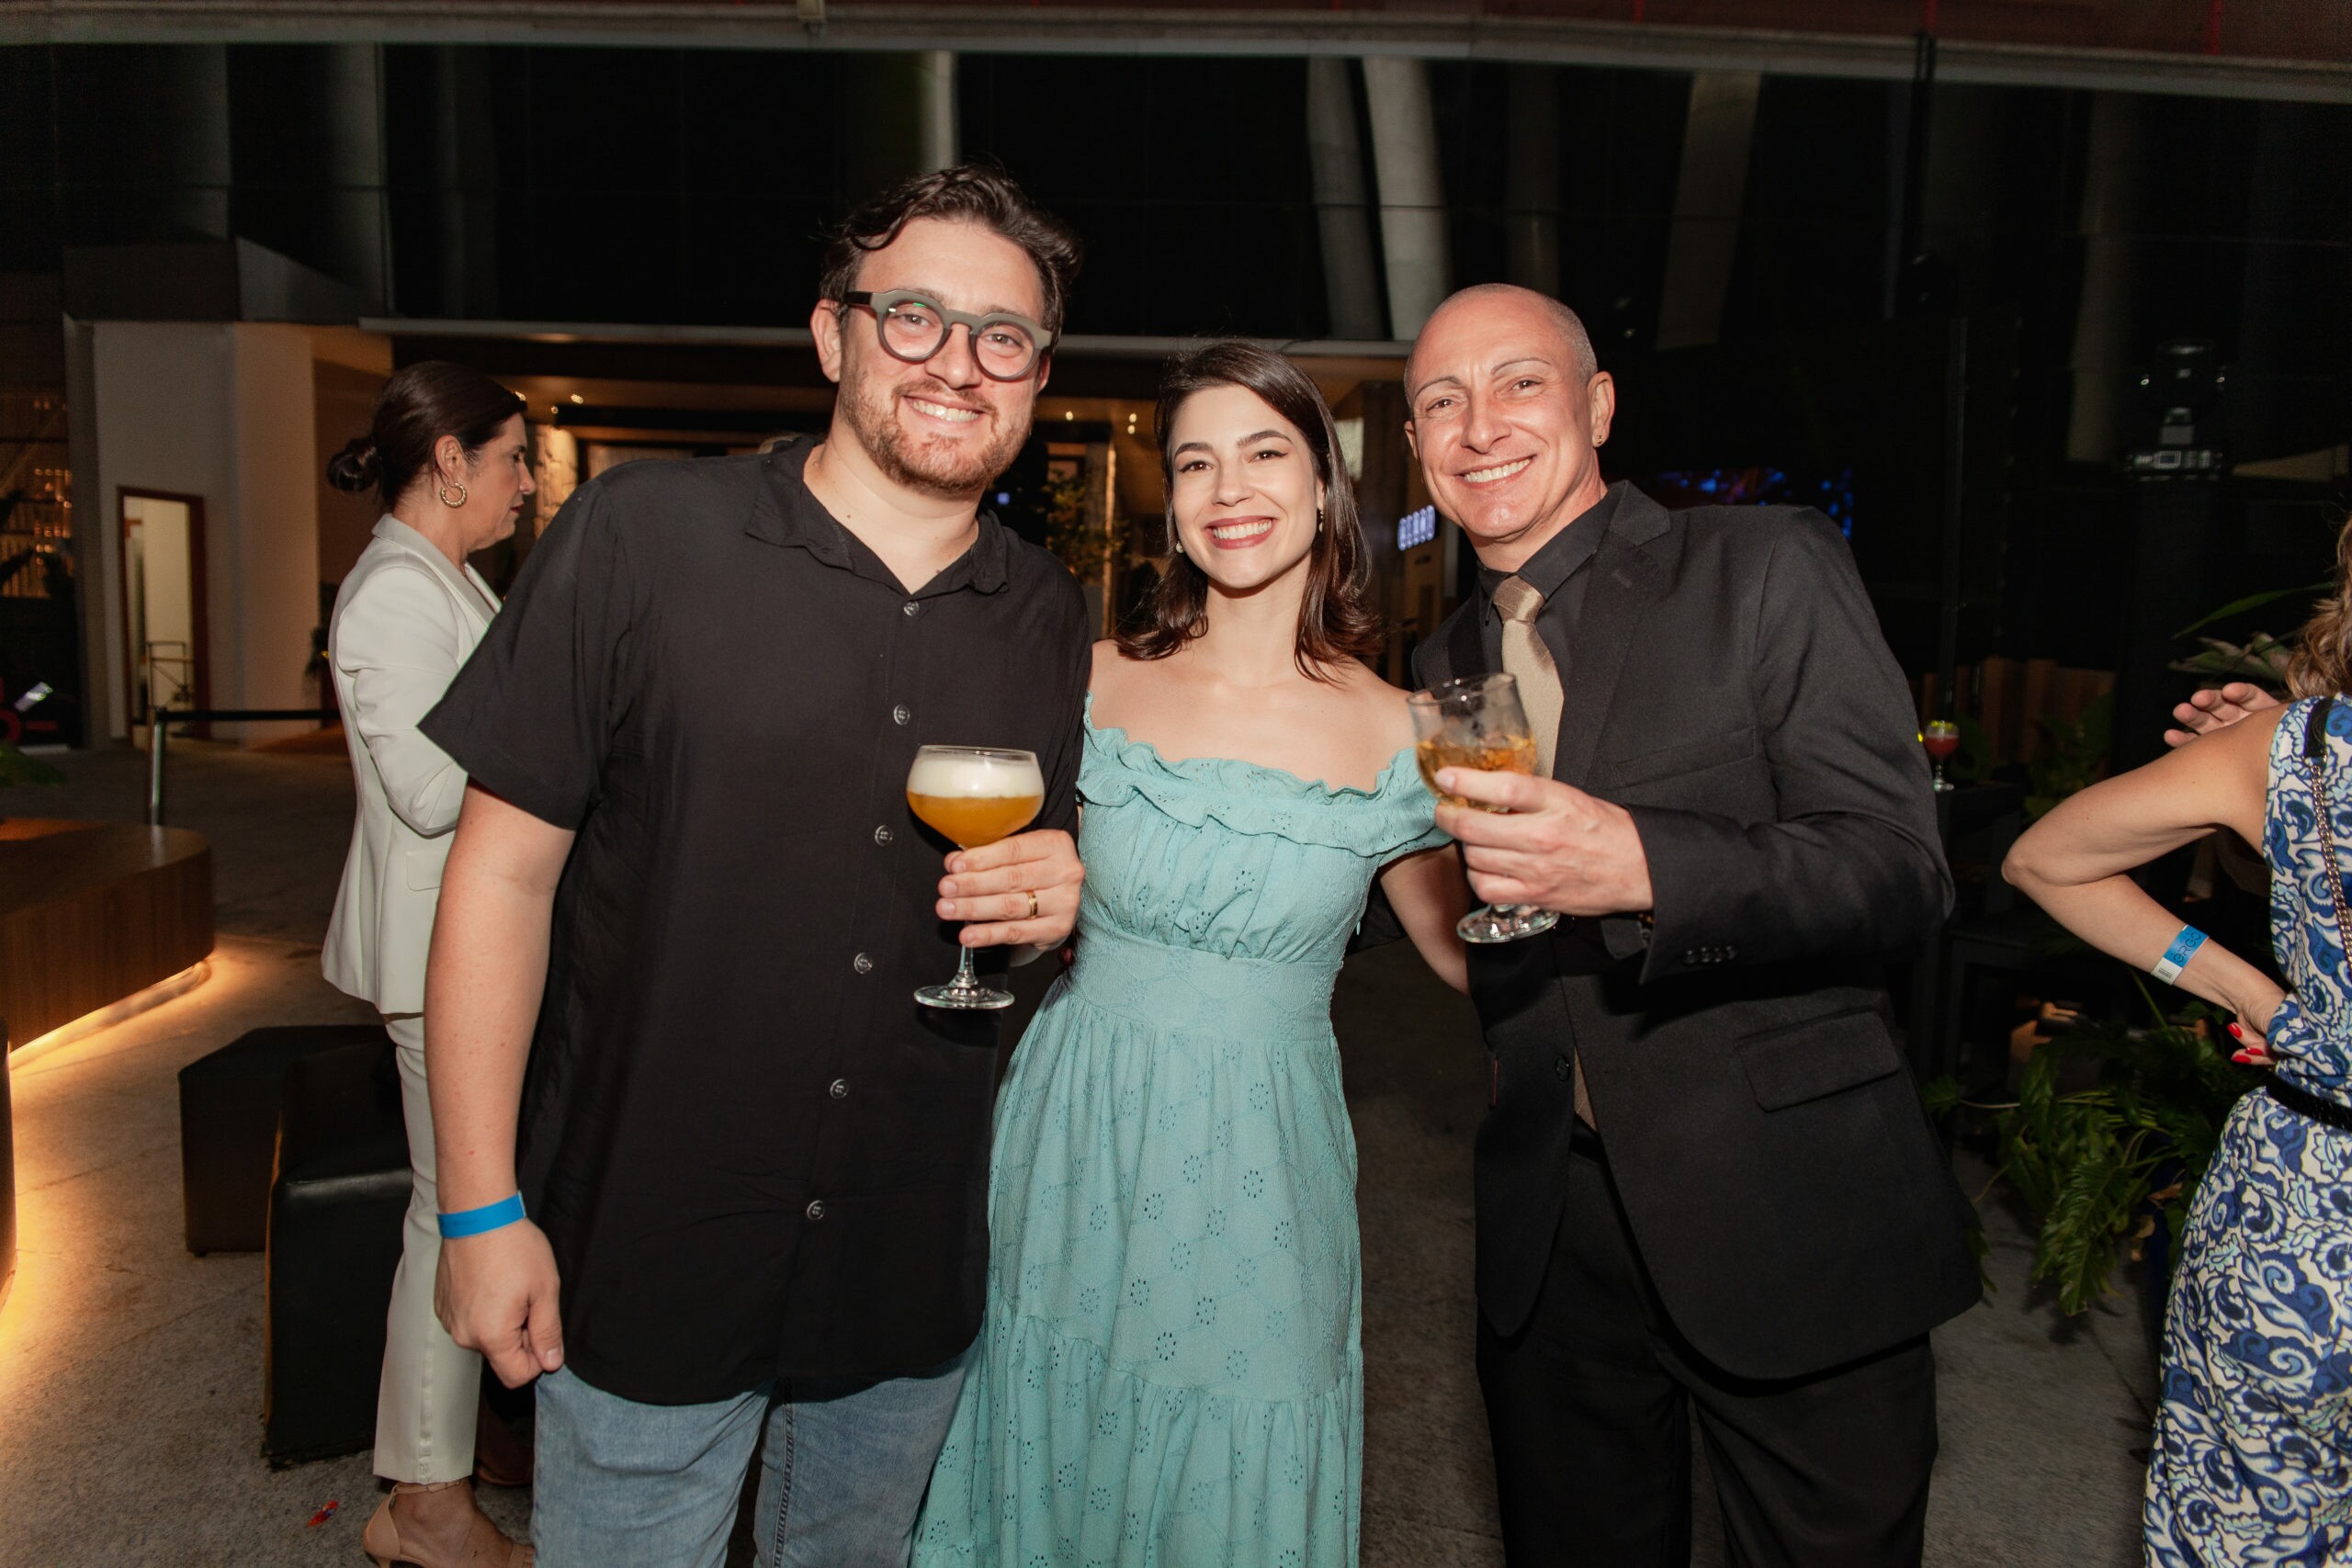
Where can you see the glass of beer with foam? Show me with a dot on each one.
(974, 795)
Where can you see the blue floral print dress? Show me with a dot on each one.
(2253, 1457)
(1168, 1372)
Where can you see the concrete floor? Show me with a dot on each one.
(131, 1372)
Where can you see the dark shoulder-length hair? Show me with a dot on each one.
(1334, 621)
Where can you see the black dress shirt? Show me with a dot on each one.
(1557, 572)
(755, 1154)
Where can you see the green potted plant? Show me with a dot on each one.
(2072, 756)
(2110, 1133)
(15, 768)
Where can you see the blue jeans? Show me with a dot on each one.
(620, 1485)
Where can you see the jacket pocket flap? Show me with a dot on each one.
(1684, 757)
(1804, 1061)
(422, 868)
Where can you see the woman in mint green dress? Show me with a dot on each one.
(1168, 1372)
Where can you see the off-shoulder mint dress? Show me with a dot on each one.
(1168, 1372)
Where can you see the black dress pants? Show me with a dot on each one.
(1589, 1406)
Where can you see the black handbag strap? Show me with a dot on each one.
(2315, 755)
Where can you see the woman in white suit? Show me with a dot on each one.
(449, 456)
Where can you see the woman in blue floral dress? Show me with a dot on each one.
(2252, 1462)
(1169, 1371)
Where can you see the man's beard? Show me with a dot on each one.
(941, 468)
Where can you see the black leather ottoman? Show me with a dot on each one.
(335, 1207)
(229, 1129)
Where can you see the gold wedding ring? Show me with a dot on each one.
(1033, 902)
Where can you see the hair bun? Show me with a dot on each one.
(358, 467)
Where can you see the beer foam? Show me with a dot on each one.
(962, 776)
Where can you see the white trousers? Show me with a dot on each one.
(432, 1388)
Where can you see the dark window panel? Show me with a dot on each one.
(1074, 152)
(29, 232)
(595, 256)
(751, 261)
(122, 112)
(763, 124)
(1224, 130)
(607, 118)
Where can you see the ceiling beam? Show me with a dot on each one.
(1159, 32)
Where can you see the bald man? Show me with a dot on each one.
(1705, 1183)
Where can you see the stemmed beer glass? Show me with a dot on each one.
(974, 795)
(1476, 722)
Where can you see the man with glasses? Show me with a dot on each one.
(754, 1169)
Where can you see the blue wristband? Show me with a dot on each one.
(2184, 948)
(488, 1217)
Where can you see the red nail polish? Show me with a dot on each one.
(2236, 1033)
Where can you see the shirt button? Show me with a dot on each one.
(862, 963)
(910, 608)
(899, 713)
(838, 1088)
(816, 1209)
(882, 835)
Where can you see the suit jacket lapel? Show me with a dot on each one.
(1628, 576)
(482, 586)
(462, 585)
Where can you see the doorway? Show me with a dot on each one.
(163, 588)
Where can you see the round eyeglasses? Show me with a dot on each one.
(913, 328)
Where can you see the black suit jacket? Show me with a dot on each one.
(1728, 684)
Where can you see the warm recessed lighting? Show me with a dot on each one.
(130, 1007)
(1069, 414)
(577, 399)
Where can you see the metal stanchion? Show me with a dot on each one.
(158, 726)
(164, 718)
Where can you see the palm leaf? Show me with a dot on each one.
(2251, 602)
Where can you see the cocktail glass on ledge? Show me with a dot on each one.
(1941, 738)
(973, 795)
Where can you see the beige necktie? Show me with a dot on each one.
(1527, 661)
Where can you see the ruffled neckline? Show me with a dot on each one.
(1250, 797)
(1142, 756)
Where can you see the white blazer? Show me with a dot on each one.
(405, 622)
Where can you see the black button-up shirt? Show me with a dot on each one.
(755, 1154)
(1557, 572)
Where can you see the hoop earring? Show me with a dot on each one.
(445, 493)
(1319, 520)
